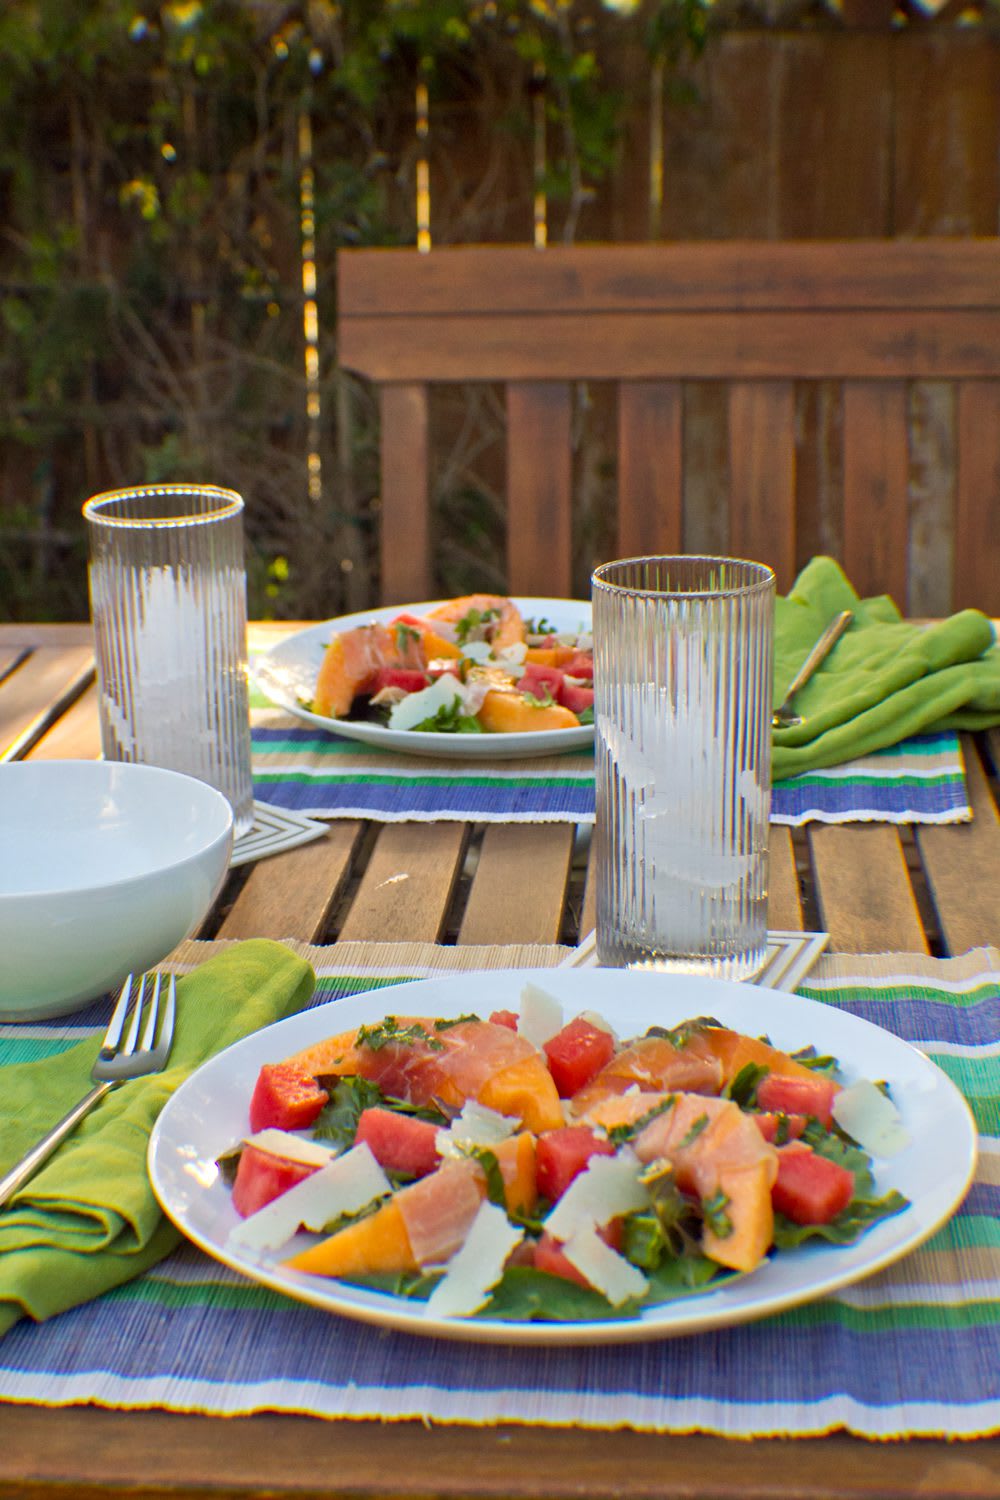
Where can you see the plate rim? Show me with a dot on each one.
(709, 1310)
(428, 744)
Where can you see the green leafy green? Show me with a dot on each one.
(449, 719)
(337, 1121)
(742, 1088)
(848, 1226)
(819, 1063)
(473, 625)
(619, 1134)
(389, 1033)
(716, 1219)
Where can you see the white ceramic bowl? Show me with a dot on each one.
(104, 868)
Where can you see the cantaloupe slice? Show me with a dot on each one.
(526, 1092)
(377, 1243)
(511, 713)
(508, 625)
(750, 1214)
(516, 1160)
(550, 656)
(437, 647)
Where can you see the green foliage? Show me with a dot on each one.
(156, 219)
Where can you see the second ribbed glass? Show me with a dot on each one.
(682, 708)
(168, 603)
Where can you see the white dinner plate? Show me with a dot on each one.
(286, 674)
(208, 1115)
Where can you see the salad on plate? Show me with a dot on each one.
(470, 665)
(527, 1167)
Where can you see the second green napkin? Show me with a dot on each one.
(88, 1220)
(885, 680)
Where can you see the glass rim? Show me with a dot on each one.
(97, 509)
(760, 577)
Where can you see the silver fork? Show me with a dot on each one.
(123, 1055)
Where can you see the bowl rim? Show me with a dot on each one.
(213, 799)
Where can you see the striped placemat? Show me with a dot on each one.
(912, 1351)
(322, 775)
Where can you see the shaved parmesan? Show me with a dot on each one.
(475, 1126)
(594, 1018)
(345, 1185)
(291, 1147)
(416, 707)
(475, 1269)
(513, 655)
(607, 1187)
(869, 1117)
(478, 651)
(541, 1016)
(604, 1268)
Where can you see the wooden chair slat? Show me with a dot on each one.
(669, 345)
(406, 890)
(784, 904)
(539, 490)
(689, 276)
(650, 468)
(762, 475)
(866, 900)
(672, 326)
(518, 892)
(405, 499)
(976, 567)
(291, 895)
(967, 908)
(875, 487)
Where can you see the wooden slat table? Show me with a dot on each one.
(875, 888)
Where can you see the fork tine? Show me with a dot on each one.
(131, 1041)
(119, 1016)
(169, 1015)
(151, 1018)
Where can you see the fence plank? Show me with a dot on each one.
(977, 499)
(875, 487)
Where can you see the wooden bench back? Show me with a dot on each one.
(874, 317)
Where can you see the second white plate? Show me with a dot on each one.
(286, 674)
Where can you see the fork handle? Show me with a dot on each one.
(29, 1164)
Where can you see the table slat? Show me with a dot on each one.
(76, 735)
(784, 903)
(291, 895)
(68, 1454)
(34, 694)
(865, 898)
(962, 863)
(406, 890)
(519, 888)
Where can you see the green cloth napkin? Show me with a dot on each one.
(885, 680)
(88, 1220)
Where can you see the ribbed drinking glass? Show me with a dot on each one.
(682, 678)
(168, 603)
